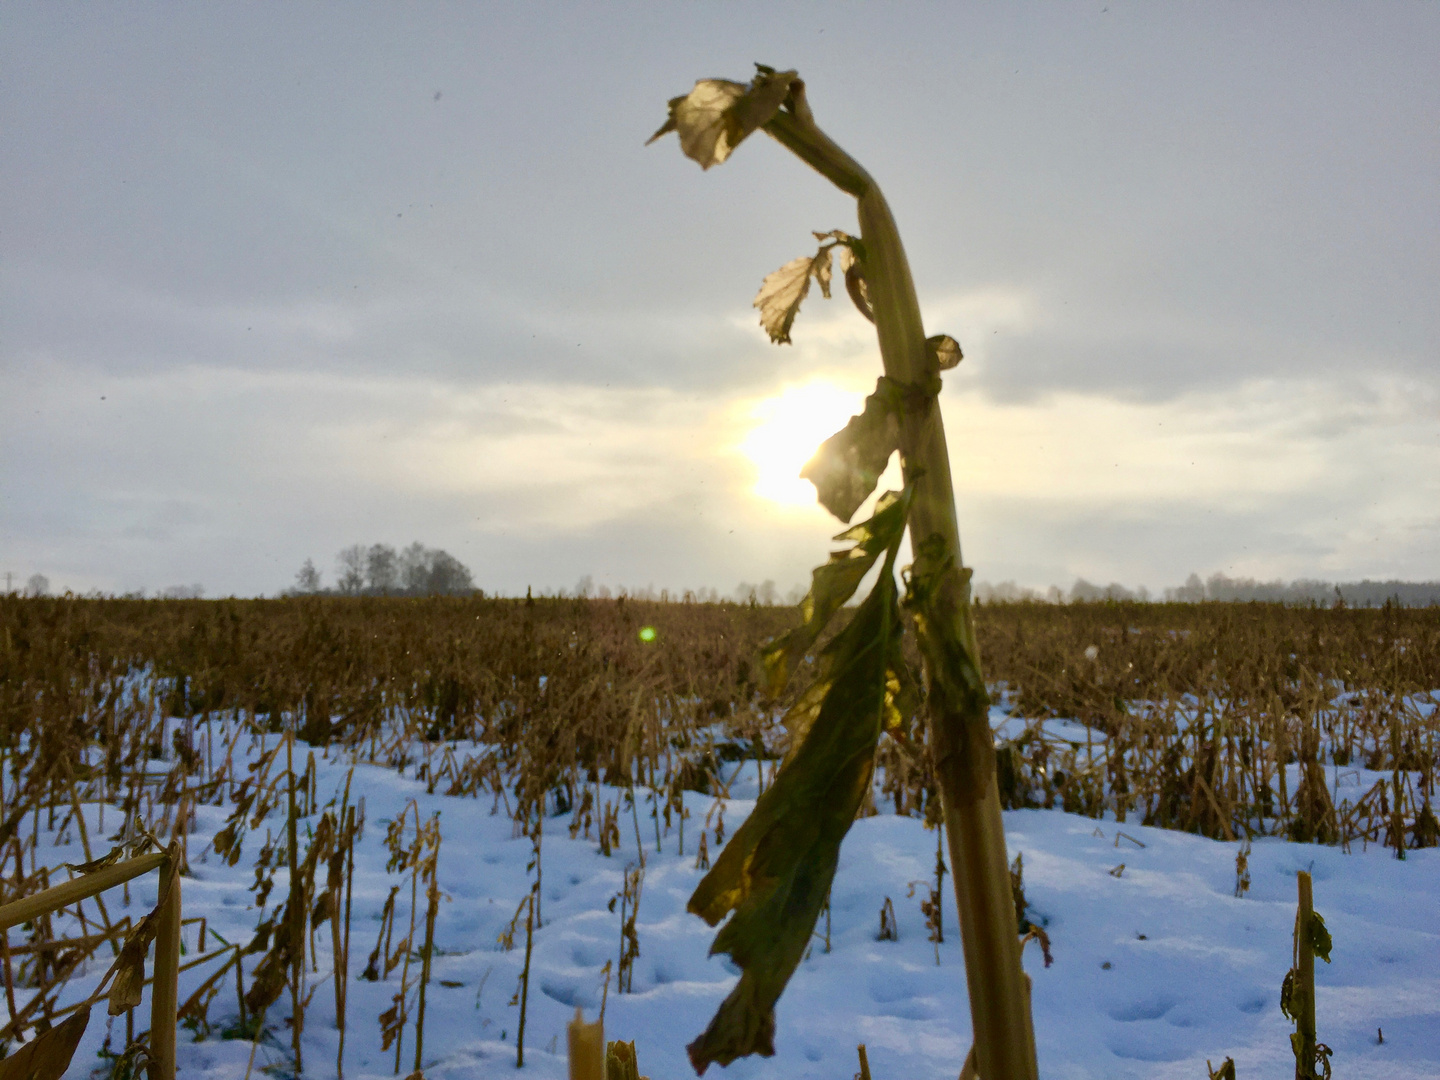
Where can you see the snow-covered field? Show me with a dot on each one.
(1156, 968)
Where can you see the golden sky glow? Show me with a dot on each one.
(786, 431)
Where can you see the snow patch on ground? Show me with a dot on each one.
(1157, 967)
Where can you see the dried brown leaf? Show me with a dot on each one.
(717, 115)
(944, 351)
(47, 1056)
(127, 989)
(780, 296)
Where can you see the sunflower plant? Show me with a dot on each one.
(773, 876)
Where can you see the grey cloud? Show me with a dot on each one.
(1190, 198)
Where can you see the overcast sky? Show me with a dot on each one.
(275, 279)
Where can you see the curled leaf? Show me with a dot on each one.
(777, 869)
(858, 290)
(110, 858)
(820, 268)
(718, 114)
(844, 247)
(944, 351)
(834, 583)
(848, 465)
(127, 989)
(47, 1056)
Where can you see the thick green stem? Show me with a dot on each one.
(1305, 981)
(961, 741)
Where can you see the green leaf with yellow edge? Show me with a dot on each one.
(834, 583)
(848, 465)
(777, 869)
(47, 1056)
(715, 117)
(902, 698)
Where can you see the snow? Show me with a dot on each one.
(1156, 969)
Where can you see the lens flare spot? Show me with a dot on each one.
(647, 633)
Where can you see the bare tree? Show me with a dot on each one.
(38, 585)
(308, 579)
(382, 568)
(414, 568)
(448, 575)
(351, 562)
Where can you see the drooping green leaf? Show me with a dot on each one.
(848, 465)
(902, 697)
(1319, 937)
(834, 583)
(718, 114)
(47, 1056)
(937, 590)
(937, 593)
(776, 871)
(944, 351)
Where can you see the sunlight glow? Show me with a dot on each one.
(788, 428)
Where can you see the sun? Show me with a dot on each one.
(787, 429)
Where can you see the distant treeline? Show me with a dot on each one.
(1221, 588)
(380, 570)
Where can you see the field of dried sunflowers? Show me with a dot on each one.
(122, 721)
